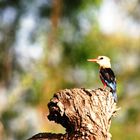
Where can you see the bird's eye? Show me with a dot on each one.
(101, 58)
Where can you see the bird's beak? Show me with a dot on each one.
(92, 60)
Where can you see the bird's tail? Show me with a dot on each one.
(115, 96)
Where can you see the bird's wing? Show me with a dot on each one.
(108, 76)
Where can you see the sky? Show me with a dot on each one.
(111, 18)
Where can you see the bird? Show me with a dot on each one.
(106, 74)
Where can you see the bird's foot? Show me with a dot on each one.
(104, 88)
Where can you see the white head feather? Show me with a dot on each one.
(103, 61)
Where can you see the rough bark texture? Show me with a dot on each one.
(85, 113)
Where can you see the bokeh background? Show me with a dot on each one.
(44, 45)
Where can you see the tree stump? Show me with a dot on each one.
(85, 113)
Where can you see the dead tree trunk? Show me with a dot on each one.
(86, 114)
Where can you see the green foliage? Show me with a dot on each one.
(132, 115)
(68, 38)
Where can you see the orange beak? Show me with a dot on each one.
(92, 60)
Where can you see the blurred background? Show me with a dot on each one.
(44, 45)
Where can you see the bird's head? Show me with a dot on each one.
(103, 61)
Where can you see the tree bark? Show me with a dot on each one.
(85, 113)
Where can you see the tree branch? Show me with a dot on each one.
(85, 113)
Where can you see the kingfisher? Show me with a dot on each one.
(106, 74)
